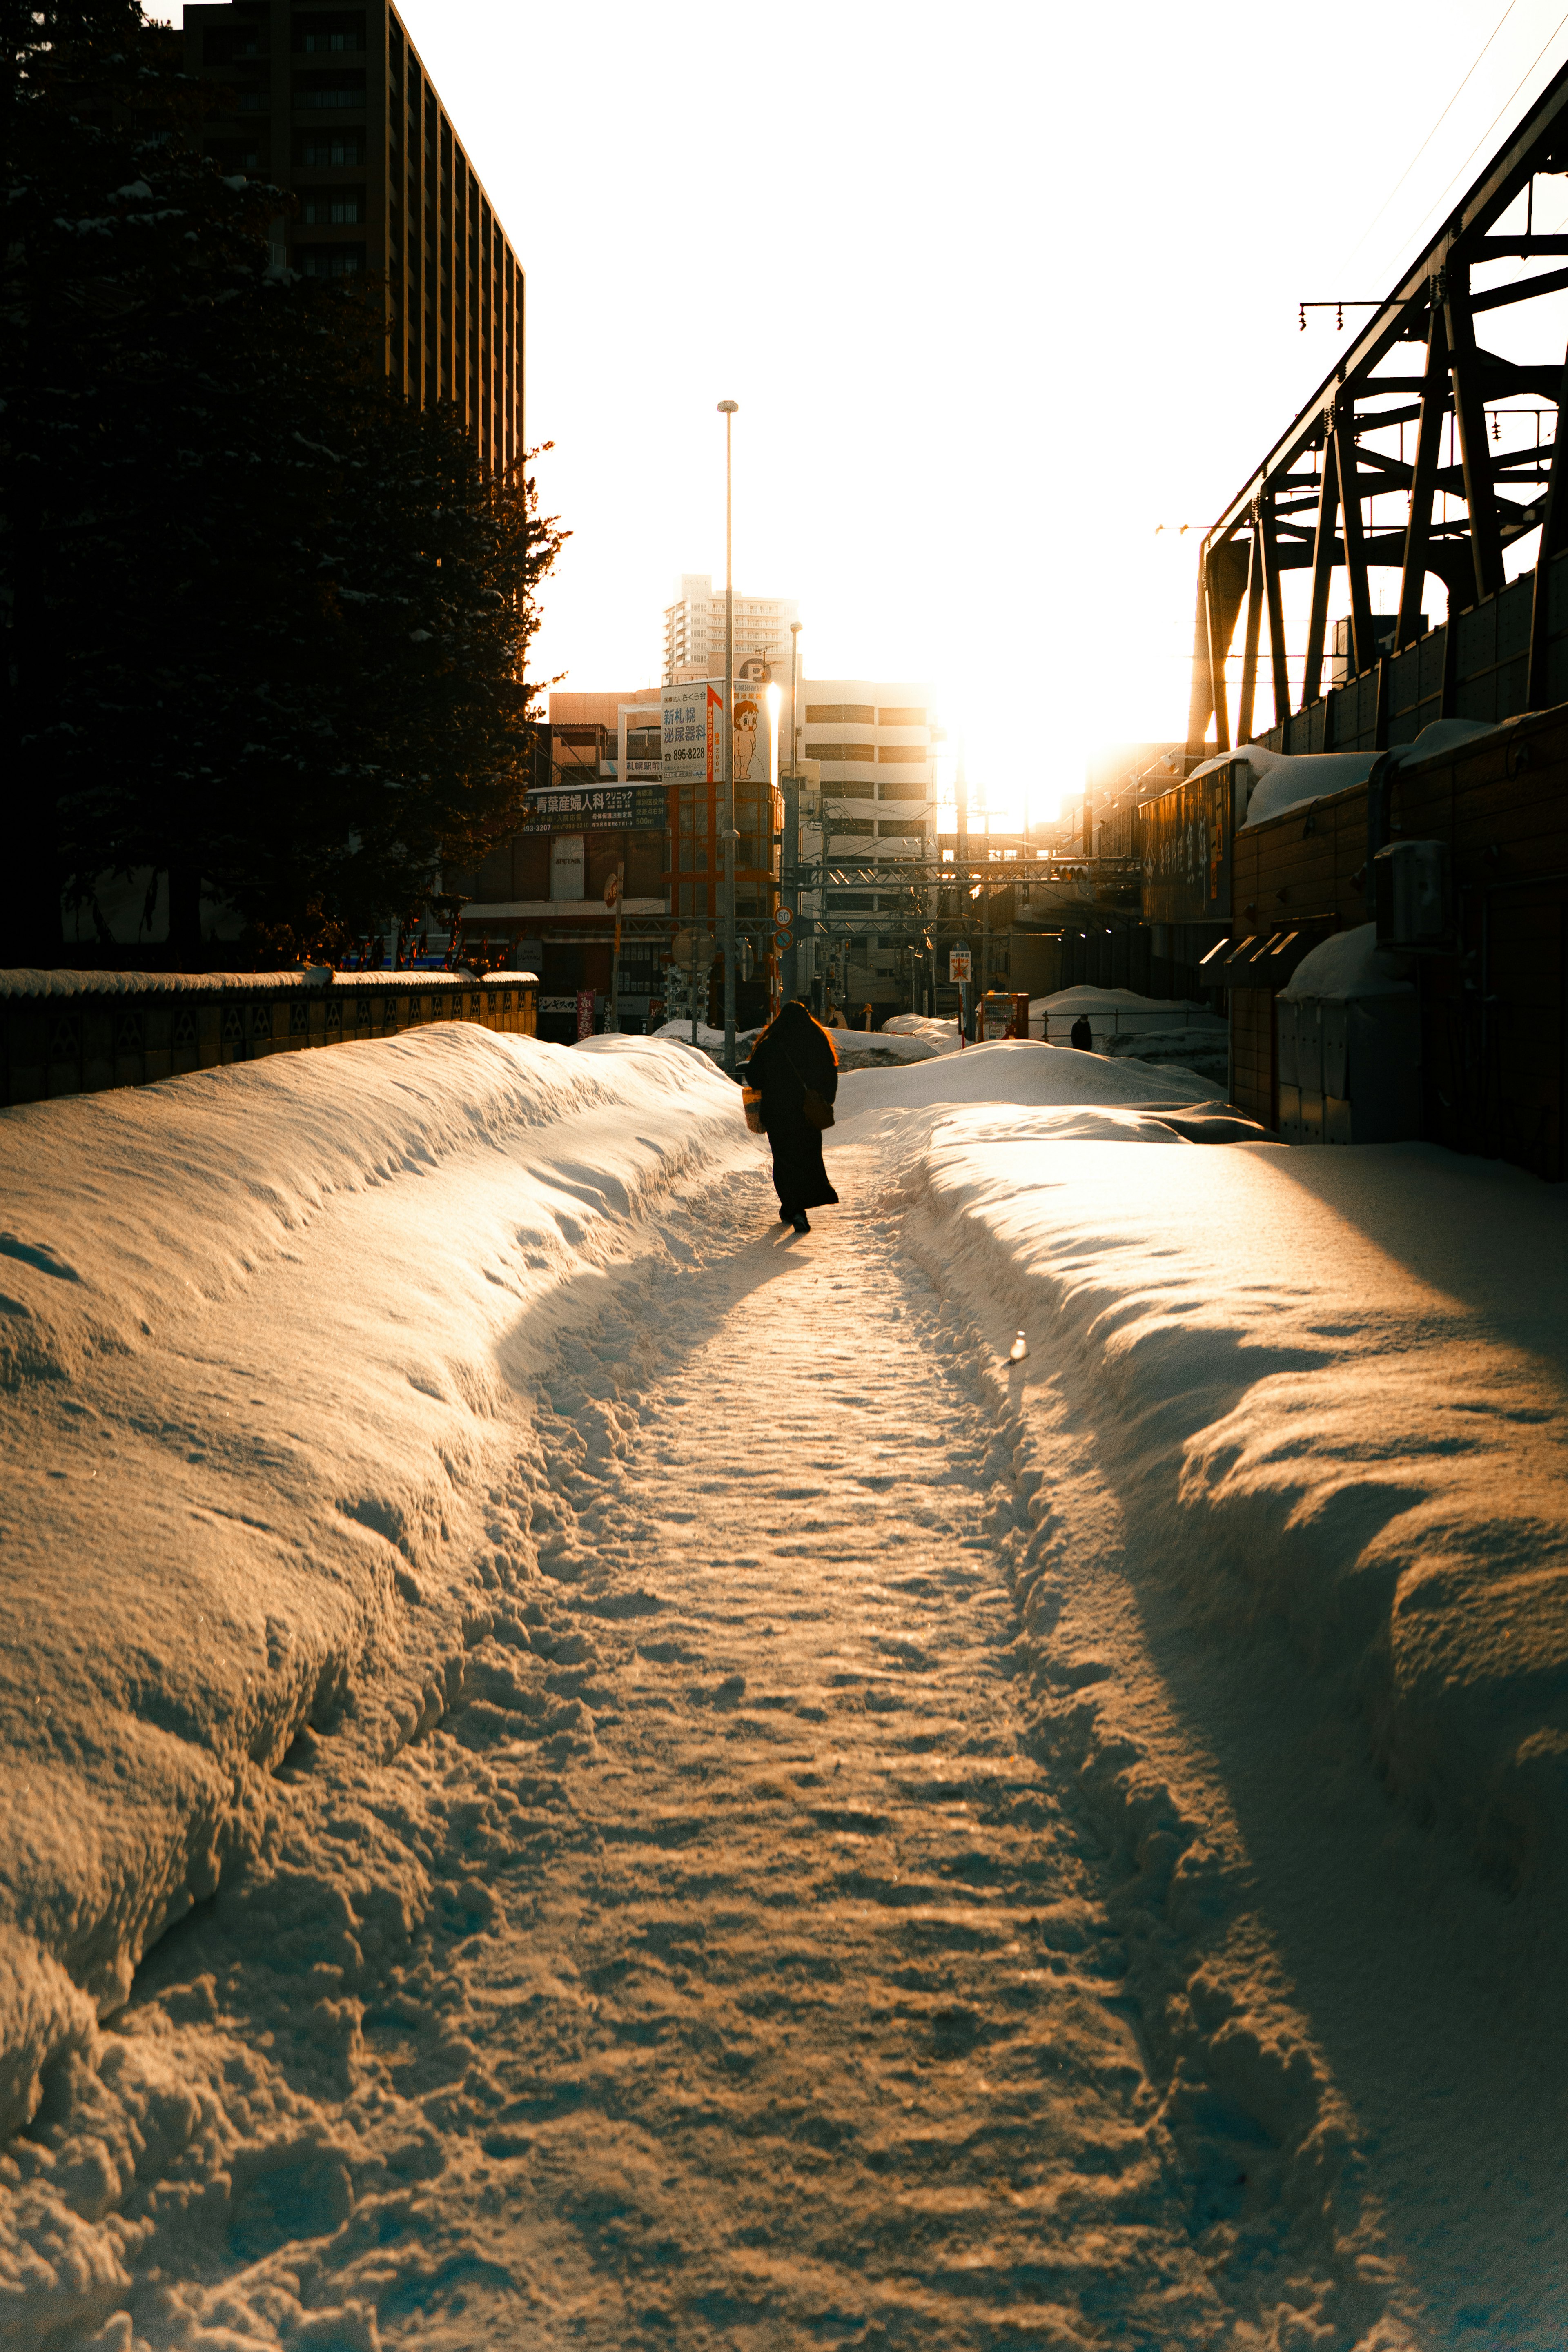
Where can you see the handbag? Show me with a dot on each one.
(815, 1108)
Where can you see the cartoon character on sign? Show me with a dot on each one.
(747, 719)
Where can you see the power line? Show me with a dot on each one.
(1495, 121)
(1432, 133)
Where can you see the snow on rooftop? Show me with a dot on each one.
(1348, 965)
(1290, 781)
(23, 981)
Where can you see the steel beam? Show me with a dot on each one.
(1364, 653)
(1200, 699)
(1219, 647)
(1553, 540)
(1269, 537)
(1424, 480)
(1469, 411)
(1532, 144)
(1254, 630)
(1325, 547)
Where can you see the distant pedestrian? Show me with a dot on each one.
(793, 1075)
(1082, 1035)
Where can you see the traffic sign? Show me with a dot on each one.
(692, 948)
(958, 964)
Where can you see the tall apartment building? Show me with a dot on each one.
(694, 630)
(875, 741)
(334, 106)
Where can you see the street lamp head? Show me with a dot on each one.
(727, 407)
(796, 627)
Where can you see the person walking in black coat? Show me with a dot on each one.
(793, 1070)
(1082, 1035)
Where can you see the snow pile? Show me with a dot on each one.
(1013, 1070)
(1336, 1384)
(261, 1328)
(869, 1048)
(1348, 964)
(1205, 1051)
(940, 1035)
(1113, 1013)
(711, 1041)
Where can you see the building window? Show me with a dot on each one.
(319, 152)
(253, 101)
(336, 206)
(330, 91)
(865, 752)
(330, 34)
(329, 260)
(840, 714)
(895, 754)
(903, 719)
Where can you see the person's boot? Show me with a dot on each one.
(784, 1217)
(802, 1221)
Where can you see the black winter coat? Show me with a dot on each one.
(792, 1054)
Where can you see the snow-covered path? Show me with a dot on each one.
(830, 2046)
(721, 1968)
(702, 1804)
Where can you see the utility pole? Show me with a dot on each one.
(789, 877)
(727, 409)
(961, 791)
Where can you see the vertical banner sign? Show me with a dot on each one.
(584, 1013)
(754, 752)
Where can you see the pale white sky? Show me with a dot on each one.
(998, 290)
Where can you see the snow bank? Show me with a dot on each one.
(1016, 1070)
(1115, 1004)
(1348, 965)
(1119, 1018)
(867, 1046)
(1336, 1384)
(941, 1037)
(259, 1332)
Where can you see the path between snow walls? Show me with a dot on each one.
(261, 1335)
(663, 1790)
(1291, 1425)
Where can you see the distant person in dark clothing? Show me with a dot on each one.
(794, 1068)
(1082, 1035)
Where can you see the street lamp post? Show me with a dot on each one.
(727, 409)
(789, 977)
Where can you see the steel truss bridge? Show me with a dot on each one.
(1303, 508)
